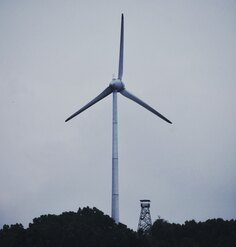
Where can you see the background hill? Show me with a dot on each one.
(90, 227)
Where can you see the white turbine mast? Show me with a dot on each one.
(117, 86)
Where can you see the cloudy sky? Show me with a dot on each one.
(180, 57)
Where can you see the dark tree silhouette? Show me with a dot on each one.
(90, 227)
(214, 232)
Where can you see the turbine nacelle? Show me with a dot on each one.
(117, 85)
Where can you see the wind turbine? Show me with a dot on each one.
(117, 86)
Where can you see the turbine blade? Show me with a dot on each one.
(140, 102)
(120, 71)
(102, 95)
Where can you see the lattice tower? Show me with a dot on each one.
(145, 222)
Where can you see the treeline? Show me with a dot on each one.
(90, 227)
(211, 233)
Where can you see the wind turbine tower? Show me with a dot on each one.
(117, 86)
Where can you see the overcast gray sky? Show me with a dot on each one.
(180, 57)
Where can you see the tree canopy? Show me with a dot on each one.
(90, 227)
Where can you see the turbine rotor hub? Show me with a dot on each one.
(117, 85)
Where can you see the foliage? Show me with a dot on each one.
(214, 232)
(90, 227)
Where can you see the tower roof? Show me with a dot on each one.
(145, 200)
